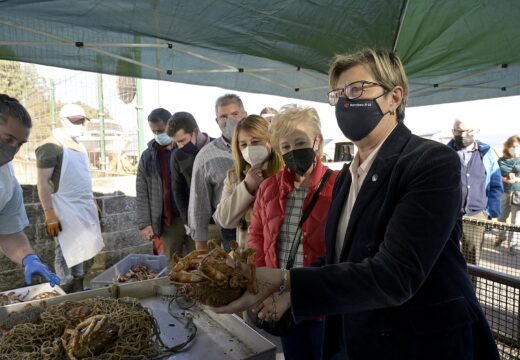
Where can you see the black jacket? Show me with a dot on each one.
(181, 167)
(401, 290)
(148, 183)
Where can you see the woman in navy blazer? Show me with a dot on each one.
(393, 283)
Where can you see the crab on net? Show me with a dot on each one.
(214, 277)
(99, 328)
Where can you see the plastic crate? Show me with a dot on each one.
(28, 292)
(156, 263)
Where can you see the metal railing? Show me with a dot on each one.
(490, 249)
(492, 245)
(499, 296)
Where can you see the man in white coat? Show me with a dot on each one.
(65, 192)
(15, 126)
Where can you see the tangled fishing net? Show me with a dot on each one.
(104, 329)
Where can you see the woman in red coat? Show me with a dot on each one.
(279, 205)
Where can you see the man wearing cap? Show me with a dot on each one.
(65, 192)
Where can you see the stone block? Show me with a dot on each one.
(110, 223)
(127, 220)
(118, 204)
(31, 232)
(41, 234)
(35, 213)
(30, 194)
(122, 239)
(6, 264)
(12, 279)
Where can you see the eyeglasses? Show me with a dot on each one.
(351, 91)
(460, 132)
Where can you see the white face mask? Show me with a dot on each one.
(255, 154)
(514, 151)
(74, 131)
(228, 128)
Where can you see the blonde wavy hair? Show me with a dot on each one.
(385, 66)
(286, 122)
(257, 127)
(508, 144)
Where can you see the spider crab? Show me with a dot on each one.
(89, 338)
(213, 277)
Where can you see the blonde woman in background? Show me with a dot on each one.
(253, 161)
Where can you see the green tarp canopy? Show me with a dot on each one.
(453, 50)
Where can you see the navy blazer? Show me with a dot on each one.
(401, 289)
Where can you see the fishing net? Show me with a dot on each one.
(135, 332)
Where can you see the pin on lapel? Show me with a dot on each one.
(374, 177)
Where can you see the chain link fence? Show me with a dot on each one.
(111, 137)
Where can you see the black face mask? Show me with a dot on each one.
(357, 118)
(463, 141)
(189, 148)
(7, 153)
(299, 160)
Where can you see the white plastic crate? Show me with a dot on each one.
(28, 292)
(156, 263)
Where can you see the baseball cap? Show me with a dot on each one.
(72, 111)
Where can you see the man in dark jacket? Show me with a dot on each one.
(183, 129)
(157, 215)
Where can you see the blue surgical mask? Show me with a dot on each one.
(163, 139)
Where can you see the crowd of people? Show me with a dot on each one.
(366, 260)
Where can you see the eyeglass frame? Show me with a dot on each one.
(344, 92)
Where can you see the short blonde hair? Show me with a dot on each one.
(385, 66)
(286, 122)
(258, 127)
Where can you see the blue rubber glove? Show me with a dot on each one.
(34, 266)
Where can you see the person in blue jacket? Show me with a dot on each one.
(481, 184)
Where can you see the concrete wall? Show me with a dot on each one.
(117, 225)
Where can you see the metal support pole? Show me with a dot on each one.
(53, 105)
(101, 118)
(140, 117)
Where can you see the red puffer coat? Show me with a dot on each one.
(269, 212)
